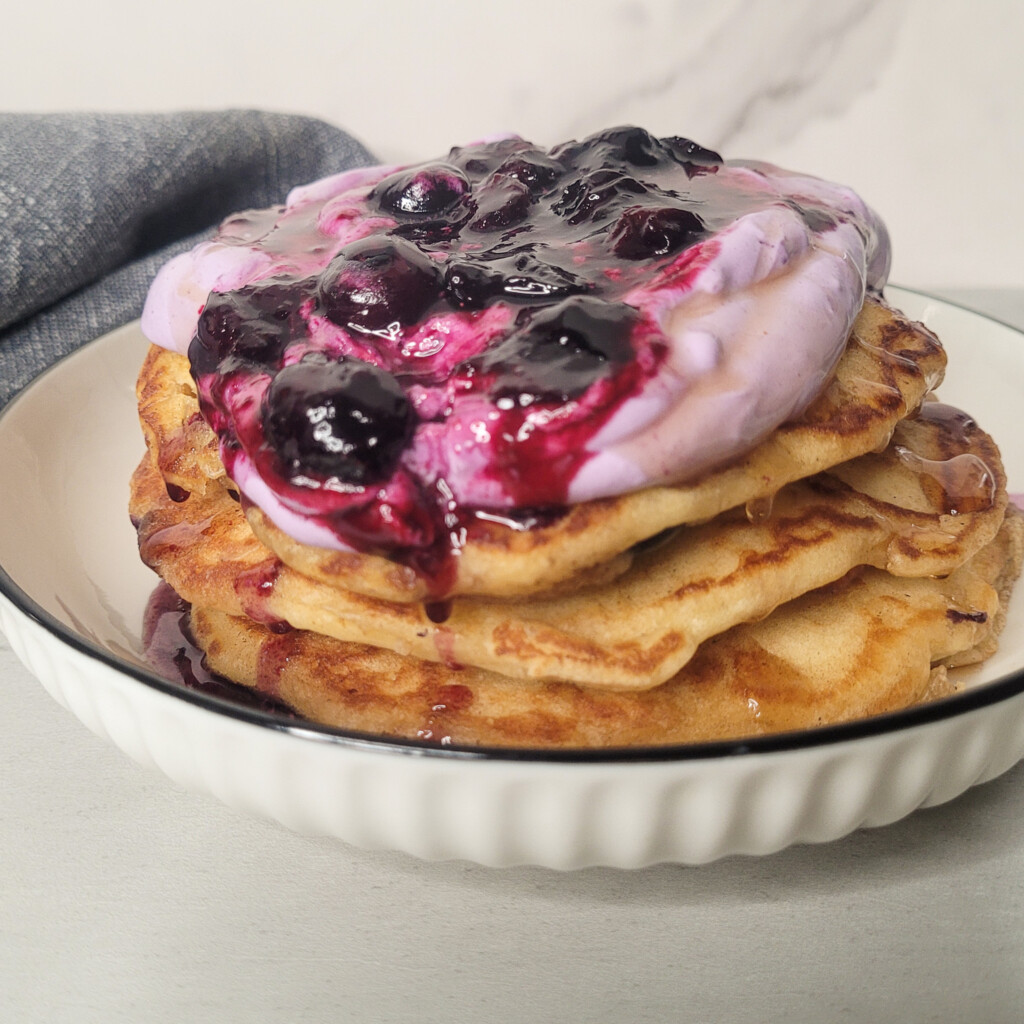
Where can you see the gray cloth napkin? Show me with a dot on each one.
(91, 205)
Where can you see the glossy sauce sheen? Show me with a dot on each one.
(962, 483)
(400, 349)
(169, 648)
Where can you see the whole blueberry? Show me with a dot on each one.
(346, 419)
(559, 351)
(643, 233)
(533, 168)
(501, 204)
(378, 281)
(597, 195)
(419, 191)
(220, 326)
(250, 326)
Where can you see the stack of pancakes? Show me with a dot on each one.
(834, 572)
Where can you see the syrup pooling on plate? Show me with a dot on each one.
(171, 651)
(511, 329)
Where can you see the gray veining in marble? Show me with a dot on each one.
(884, 95)
(750, 78)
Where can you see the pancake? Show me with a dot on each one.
(922, 507)
(614, 443)
(890, 364)
(866, 645)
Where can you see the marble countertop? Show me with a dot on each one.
(126, 899)
(915, 103)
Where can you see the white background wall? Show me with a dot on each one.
(919, 104)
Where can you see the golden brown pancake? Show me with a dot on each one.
(833, 573)
(888, 367)
(865, 645)
(922, 507)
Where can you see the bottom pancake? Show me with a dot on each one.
(868, 644)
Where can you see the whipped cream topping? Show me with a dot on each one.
(510, 328)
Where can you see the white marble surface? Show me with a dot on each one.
(124, 899)
(916, 103)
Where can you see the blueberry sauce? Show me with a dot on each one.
(170, 650)
(254, 588)
(176, 494)
(484, 293)
(957, 616)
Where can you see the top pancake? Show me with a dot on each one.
(889, 366)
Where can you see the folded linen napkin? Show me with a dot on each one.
(91, 205)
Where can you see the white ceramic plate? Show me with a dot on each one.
(72, 594)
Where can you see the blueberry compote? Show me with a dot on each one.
(467, 316)
(170, 650)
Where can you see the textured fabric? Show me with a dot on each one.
(92, 204)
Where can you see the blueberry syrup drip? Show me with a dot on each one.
(169, 648)
(438, 611)
(957, 616)
(255, 587)
(527, 253)
(176, 494)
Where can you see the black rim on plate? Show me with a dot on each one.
(922, 714)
